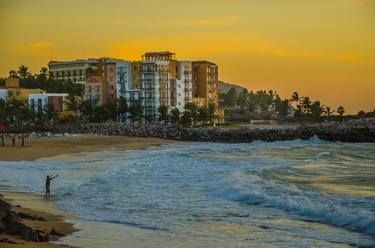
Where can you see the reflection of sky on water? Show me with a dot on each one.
(296, 193)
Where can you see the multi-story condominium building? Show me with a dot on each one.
(184, 83)
(127, 81)
(114, 80)
(136, 75)
(38, 102)
(107, 70)
(205, 82)
(158, 81)
(75, 71)
(96, 90)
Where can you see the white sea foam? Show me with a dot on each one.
(181, 188)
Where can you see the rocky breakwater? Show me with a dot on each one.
(362, 130)
(357, 130)
(15, 225)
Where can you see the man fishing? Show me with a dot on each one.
(48, 184)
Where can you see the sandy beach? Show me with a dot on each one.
(49, 148)
(36, 148)
(38, 206)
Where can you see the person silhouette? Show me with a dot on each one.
(48, 184)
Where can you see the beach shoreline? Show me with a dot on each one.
(58, 148)
(47, 147)
(45, 218)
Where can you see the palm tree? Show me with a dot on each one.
(3, 111)
(283, 107)
(186, 119)
(50, 113)
(298, 111)
(242, 100)
(13, 74)
(17, 112)
(203, 115)
(174, 115)
(122, 107)
(316, 109)
(341, 112)
(251, 102)
(295, 97)
(192, 108)
(163, 113)
(90, 72)
(327, 111)
(136, 111)
(212, 112)
(87, 109)
(23, 72)
(230, 99)
(306, 104)
(43, 74)
(72, 104)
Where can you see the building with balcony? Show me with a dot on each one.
(76, 71)
(158, 82)
(96, 90)
(205, 82)
(38, 102)
(184, 90)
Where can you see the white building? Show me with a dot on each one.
(38, 102)
(74, 70)
(184, 86)
(158, 80)
(123, 78)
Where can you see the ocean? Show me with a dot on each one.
(280, 194)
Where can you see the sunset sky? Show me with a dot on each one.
(321, 48)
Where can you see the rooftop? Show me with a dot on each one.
(162, 55)
(77, 61)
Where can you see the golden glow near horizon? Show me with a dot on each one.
(321, 48)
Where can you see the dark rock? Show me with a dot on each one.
(11, 223)
(8, 241)
(55, 232)
(30, 216)
(361, 130)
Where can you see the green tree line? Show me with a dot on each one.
(298, 107)
(42, 80)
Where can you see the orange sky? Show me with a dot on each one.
(321, 48)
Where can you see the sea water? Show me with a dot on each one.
(281, 194)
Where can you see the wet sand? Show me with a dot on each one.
(58, 148)
(38, 205)
(36, 148)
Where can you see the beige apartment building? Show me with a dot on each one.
(157, 80)
(75, 71)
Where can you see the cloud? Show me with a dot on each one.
(198, 44)
(358, 2)
(38, 48)
(199, 22)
